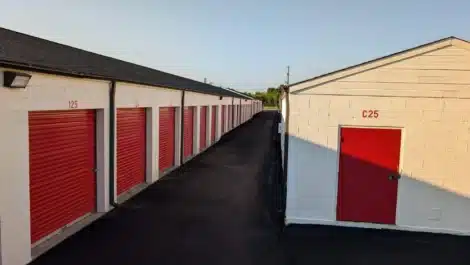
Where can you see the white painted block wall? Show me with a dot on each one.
(50, 92)
(44, 92)
(434, 192)
(435, 155)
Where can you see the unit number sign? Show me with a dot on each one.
(73, 104)
(370, 114)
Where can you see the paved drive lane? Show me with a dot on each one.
(209, 211)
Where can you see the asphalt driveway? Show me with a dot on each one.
(220, 208)
(209, 211)
(305, 244)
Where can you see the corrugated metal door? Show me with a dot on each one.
(244, 113)
(213, 123)
(188, 134)
(61, 169)
(131, 152)
(238, 115)
(230, 117)
(234, 107)
(368, 175)
(166, 157)
(223, 118)
(203, 128)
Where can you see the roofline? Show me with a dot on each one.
(378, 59)
(239, 93)
(46, 70)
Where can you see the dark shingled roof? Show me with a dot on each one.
(32, 53)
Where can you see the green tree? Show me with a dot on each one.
(269, 98)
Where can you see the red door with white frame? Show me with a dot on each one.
(167, 138)
(62, 166)
(203, 128)
(229, 119)
(223, 119)
(131, 151)
(213, 122)
(368, 175)
(188, 131)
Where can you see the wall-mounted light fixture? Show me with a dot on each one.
(220, 98)
(15, 79)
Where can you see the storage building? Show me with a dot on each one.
(82, 132)
(383, 144)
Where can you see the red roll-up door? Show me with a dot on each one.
(223, 118)
(188, 133)
(229, 117)
(167, 138)
(234, 116)
(203, 128)
(238, 115)
(213, 123)
(61, 169)
(244, 113)
(131, 152)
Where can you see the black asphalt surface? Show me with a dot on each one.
(221, 208)
(308, 244)
(209, 211)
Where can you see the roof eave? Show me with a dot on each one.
(47, 70)
(378, 62)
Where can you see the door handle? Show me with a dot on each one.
(394, 177)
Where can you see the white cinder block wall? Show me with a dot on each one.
(51, 92)
(434, 192)
(44, 92)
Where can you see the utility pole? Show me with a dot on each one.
(288, 75)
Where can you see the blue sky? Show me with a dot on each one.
(243, 44)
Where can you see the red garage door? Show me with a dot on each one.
(237, 115)
(368, 178)
(213, 123)
(167, 138)
(244, 113)
(229, 117)
(203, 128)
(234, 116)
(130, 148)
(188, 133)
(61, 169)
(223, 118)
